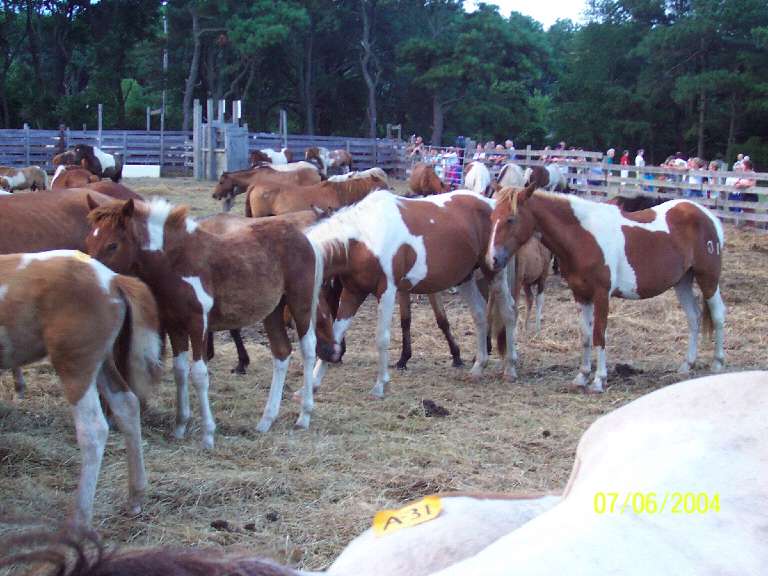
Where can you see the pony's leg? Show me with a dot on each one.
(717, 311)
(436, 301)
(243, 360)
(539, 304)
(201, 381)
(125, 410)
(404, 301)
(508, 309)
(280, 346)
(587, 328)
(227, 203)
(209, 348)
(687, 299)
(386, 307)
(180, 348)
(299, 299)
(19, 384)
(600, 324)
(92, 431)
(528, 305)
(474, 300)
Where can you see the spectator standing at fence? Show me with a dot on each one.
(479, 154)
(737, 164)
(499, 155)
(451, 161)
(694, 179)
(624, 161)
(417, 151)
(510, 148)
(609, 155)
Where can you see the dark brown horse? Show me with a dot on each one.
(605, 252)
(99, 162)
(207, 282)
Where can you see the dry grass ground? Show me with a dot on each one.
(300, 496)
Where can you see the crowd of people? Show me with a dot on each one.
(448, 164)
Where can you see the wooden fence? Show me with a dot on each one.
(172, 150)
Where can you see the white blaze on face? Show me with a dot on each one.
(492, 246)
(205, 299)
(106, 160)
(59, 171)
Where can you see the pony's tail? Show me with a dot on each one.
(496, 324)
(707, 325)
(139, 351)
(45, 178)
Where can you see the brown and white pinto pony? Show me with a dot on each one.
(604, 252)
(207, 282)
(32, 177)
(99, 162)
(273, 199)
(478, 179)
(40, 221)
(425, 181)
(386, 243)
(101, 332)
(329, 160)
(270, 156)
(231, 184)
(66, 158)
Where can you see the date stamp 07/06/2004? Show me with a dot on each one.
(656, 503)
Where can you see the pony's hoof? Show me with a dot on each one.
(264, 425)
(580, 381)
(206, 442)
(298, 396)
(238, 370)
(593, 390)
(180, 431)
(133, 509)
(457, 363)
(685, 368)
(302, 423)
(717, 366)
(510, 375)
(402, 366)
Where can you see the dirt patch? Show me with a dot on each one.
(301, 496)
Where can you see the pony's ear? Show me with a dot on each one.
(320, 212)
(128, 209)
(92, 204)
(94, 178)
(178, 216)
(528, 191)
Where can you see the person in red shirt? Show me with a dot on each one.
(624, 161)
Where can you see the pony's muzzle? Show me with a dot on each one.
(331, 351)
(500, 258)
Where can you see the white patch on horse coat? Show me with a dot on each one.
(375, 221)
(3, 291)
(277, 158)
(511, 175)
(190, 225)
(103, 274)
(59, 170)
(16, 179)
(431, 220)
(492, 246)
(159, 209)
(95, 232)
(205, 299)
(106, 160)
(606, 222)
(5, 193)
(442, 199)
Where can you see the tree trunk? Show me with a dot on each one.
(307, 94)
(702, 118)
(367, 63)
(438, 117)
(729, 151)
(189, 86)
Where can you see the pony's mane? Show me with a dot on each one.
(334, 233)
(81, 553)
(110, 214)
(508, 194)
(512, 193)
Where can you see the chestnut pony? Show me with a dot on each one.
(203, 282)
(231, 184)
(100, 331)
(605, 252)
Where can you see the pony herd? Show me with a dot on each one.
(312, 250)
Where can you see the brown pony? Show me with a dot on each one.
(99, 162)
(386, 243)
(604, 252)
(425, 181)
(32, 177)
(231, 184)
(207, 282)
(101, 332)
(273, 199)
(72, 176)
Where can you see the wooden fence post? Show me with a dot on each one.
(197, 140)
(211, 138)
(26, 143)
(101, 118)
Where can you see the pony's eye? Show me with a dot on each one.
(111, 247)
(511, 220)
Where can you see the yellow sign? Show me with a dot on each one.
(81, 256)
(389, 521)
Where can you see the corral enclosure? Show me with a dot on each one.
(300, 496)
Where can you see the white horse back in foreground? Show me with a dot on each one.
(690, 459)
